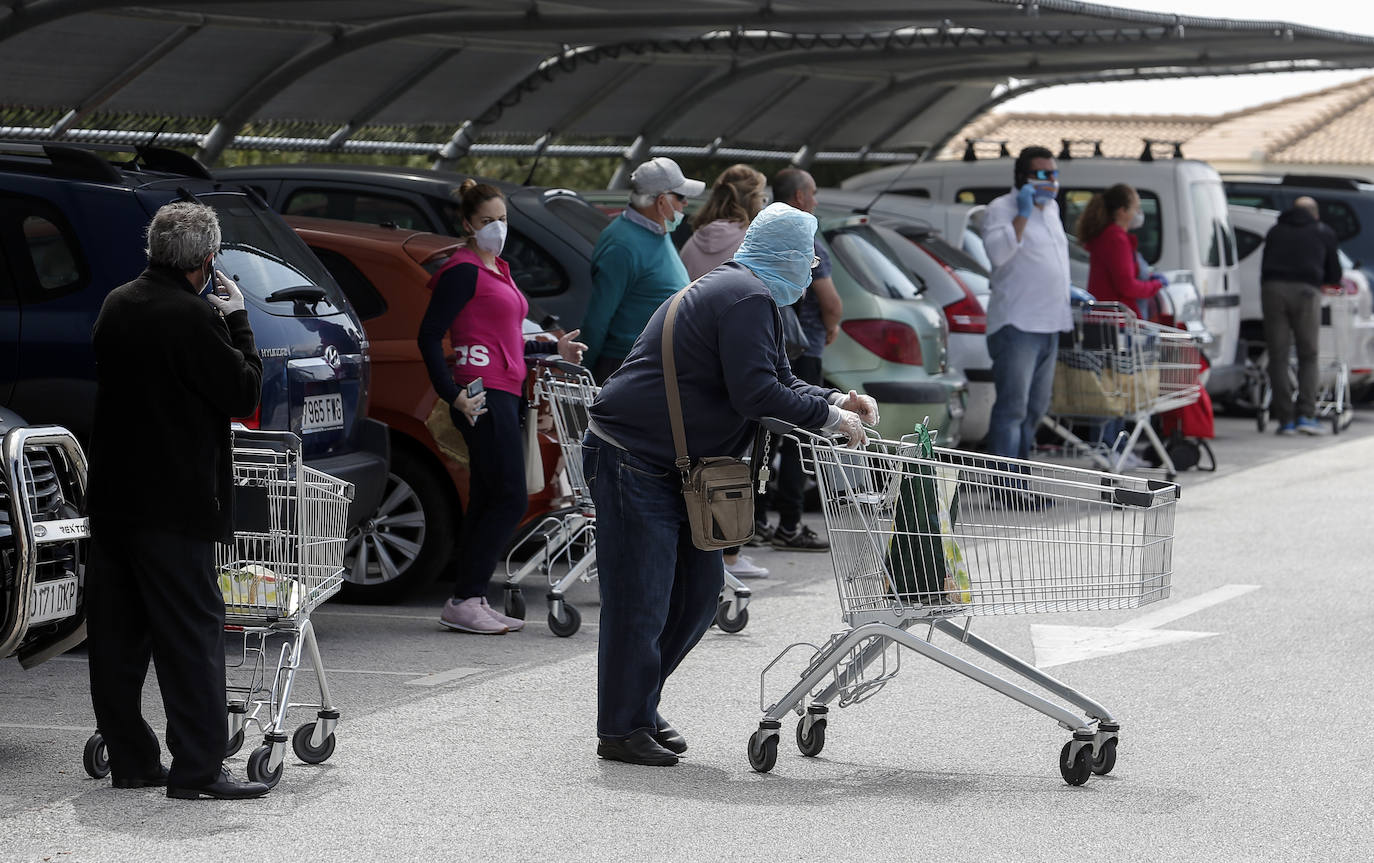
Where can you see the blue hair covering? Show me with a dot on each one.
(778, 248)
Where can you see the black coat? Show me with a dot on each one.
(1301, 249)
(170, 375)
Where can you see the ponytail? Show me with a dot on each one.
(1101, 211)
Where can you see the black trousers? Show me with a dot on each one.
(153, 595)
(791, 480)
(496, 491)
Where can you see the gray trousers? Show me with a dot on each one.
(1292, 317)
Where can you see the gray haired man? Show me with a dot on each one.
(175, 360)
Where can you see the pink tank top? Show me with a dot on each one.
(486, 335)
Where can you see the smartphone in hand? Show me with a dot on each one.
(473, 390)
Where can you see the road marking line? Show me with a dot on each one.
(445, 676)
(1185, 607)
(26, 727)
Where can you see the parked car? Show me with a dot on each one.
(385, 274)
(1252, 226)
(949, 274)
(1344, 203)
(71, 230)
(42, 552)
(549, 245)
(1186, 225)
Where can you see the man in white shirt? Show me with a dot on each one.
(1029, 307)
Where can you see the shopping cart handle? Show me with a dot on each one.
(1142, 499)
(563, 365)
(776, 426)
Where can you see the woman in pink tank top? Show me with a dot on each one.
(475, 301)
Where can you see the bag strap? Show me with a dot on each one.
(683, 463)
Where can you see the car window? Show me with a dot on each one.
(587, 221)
(912, 192)
(981, 194)
(45, 260)
(1253, 199)
(50, 251)
(366, 300)
(1073, 201)
(263, 256)
(867, 260)
(1247, 242)
(1340, 217)
(1211, 226)
(956, 258)
(352, 206)
(535, 272)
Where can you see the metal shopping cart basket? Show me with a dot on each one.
(1114, 366)
(565, 540)
(920, 537)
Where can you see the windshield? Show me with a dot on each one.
(586, 220)
(263, 255)
(869, 262)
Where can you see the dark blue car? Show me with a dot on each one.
(71, 229)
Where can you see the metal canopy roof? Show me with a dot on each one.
(802, 79)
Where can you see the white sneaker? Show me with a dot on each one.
(743, 567)
(469, 616)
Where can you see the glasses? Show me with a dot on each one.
(1042, 174)
(682, 199)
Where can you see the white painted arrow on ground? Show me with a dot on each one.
(1058, 645)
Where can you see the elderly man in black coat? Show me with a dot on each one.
(172, 368)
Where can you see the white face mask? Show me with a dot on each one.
(492, 237)
(1137, 220)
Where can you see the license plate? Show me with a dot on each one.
(53, 600)
(322, 413)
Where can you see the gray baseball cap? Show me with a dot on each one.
(661, 174)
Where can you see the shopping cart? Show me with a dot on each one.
(286, 558)
(564, 542)
(1335, 349)
(1114, 366)
(923, 536)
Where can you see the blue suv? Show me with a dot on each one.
(72, 223)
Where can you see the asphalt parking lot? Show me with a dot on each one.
(1242, 715)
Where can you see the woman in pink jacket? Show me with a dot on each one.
(736, 198)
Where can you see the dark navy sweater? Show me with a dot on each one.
(731, 367)
(1301, 249)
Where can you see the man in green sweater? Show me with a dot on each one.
(635, 267)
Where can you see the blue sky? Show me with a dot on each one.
(1219, 94)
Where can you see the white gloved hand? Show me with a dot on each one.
(863, 405)
(847, 424)
(233, 299)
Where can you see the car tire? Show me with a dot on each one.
(408, 539)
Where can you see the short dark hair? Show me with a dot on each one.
(1023, 162)
(786, 184)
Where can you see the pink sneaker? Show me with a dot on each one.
(470, 616)
(514, 624)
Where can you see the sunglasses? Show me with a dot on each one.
(1042, 174)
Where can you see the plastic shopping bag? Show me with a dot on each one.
(924, 560)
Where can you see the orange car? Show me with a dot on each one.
(385, 273)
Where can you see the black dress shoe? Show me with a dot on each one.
(156, 780)
(668, 737)
(638, 748)
(223, 788)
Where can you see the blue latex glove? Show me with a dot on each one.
(1079, 297)
(1160, 277)
(1025, 201)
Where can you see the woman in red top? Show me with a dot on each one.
(1103, 229)
(476, 303)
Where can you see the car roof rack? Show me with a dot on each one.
(1322, 181)
(1148, 154)
(1066, 148)
(169, 161)
(971, 152)
(93, 161)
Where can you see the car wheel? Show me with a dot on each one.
(402, 544)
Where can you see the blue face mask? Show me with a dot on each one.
(1045, 192)
(786, 274)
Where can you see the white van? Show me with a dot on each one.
(1186, 225)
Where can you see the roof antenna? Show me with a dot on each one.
(863, 211)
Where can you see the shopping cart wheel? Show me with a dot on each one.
(234, 745)
(515, 603)
(1106, 759)
(1077, 772)
(566, 623)
(96, 758)
(763, 751)
(811, 744)
(300, 742)
(257, 767)
(728, 623)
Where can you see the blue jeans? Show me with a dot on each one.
(658, 591)
(1023, 375)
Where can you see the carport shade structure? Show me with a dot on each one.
(805, 80)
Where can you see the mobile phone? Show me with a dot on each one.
(475, 388)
